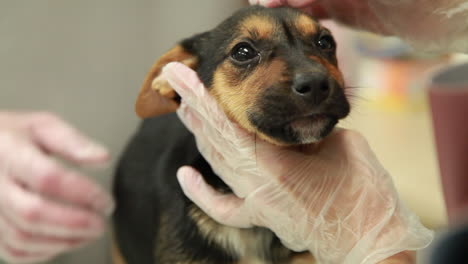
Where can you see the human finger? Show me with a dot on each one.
(41, 174)
(224, 208)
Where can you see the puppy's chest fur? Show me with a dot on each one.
(155, 223)
(242, 246)
(251, 246)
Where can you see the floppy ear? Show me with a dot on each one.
(156, 95)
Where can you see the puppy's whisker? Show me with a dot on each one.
(354, 95)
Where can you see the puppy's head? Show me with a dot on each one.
(273, 71)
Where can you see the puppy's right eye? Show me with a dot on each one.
(243, 52)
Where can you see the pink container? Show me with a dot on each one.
(448, 94)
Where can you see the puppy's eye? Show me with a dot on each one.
(243, 52)
(326, 43)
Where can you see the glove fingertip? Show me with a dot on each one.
(188, 178)
(180, 76)
(92, 153)
(176, 69)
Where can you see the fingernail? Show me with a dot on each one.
(100, 201)
(109, 209)
(104, 205)
(92, 151)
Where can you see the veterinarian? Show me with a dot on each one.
(45, 228)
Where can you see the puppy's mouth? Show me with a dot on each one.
(311, 128)
(295, 130)
(287, 119)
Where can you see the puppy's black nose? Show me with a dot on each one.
(312, 86)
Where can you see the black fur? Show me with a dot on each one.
(146, 185)
(146, 188)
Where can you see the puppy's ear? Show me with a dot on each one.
(156, 95)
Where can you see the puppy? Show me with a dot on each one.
(275, 73)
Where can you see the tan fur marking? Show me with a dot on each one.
(117, 258)
(261, 27)
(236, 100)
(332, 69)
(304, 258)
(306, 25)
(156, 95)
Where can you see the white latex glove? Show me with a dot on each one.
(429, 25)
(332, 198)
(46, 209)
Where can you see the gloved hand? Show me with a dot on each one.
(426, 24)
(46, 209)
(332, 198)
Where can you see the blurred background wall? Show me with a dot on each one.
(85, 61)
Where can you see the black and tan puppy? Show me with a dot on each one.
(275, 73)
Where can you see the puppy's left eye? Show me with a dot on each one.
(326, 43)
(243, 52)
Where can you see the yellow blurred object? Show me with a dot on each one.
(398, 84)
